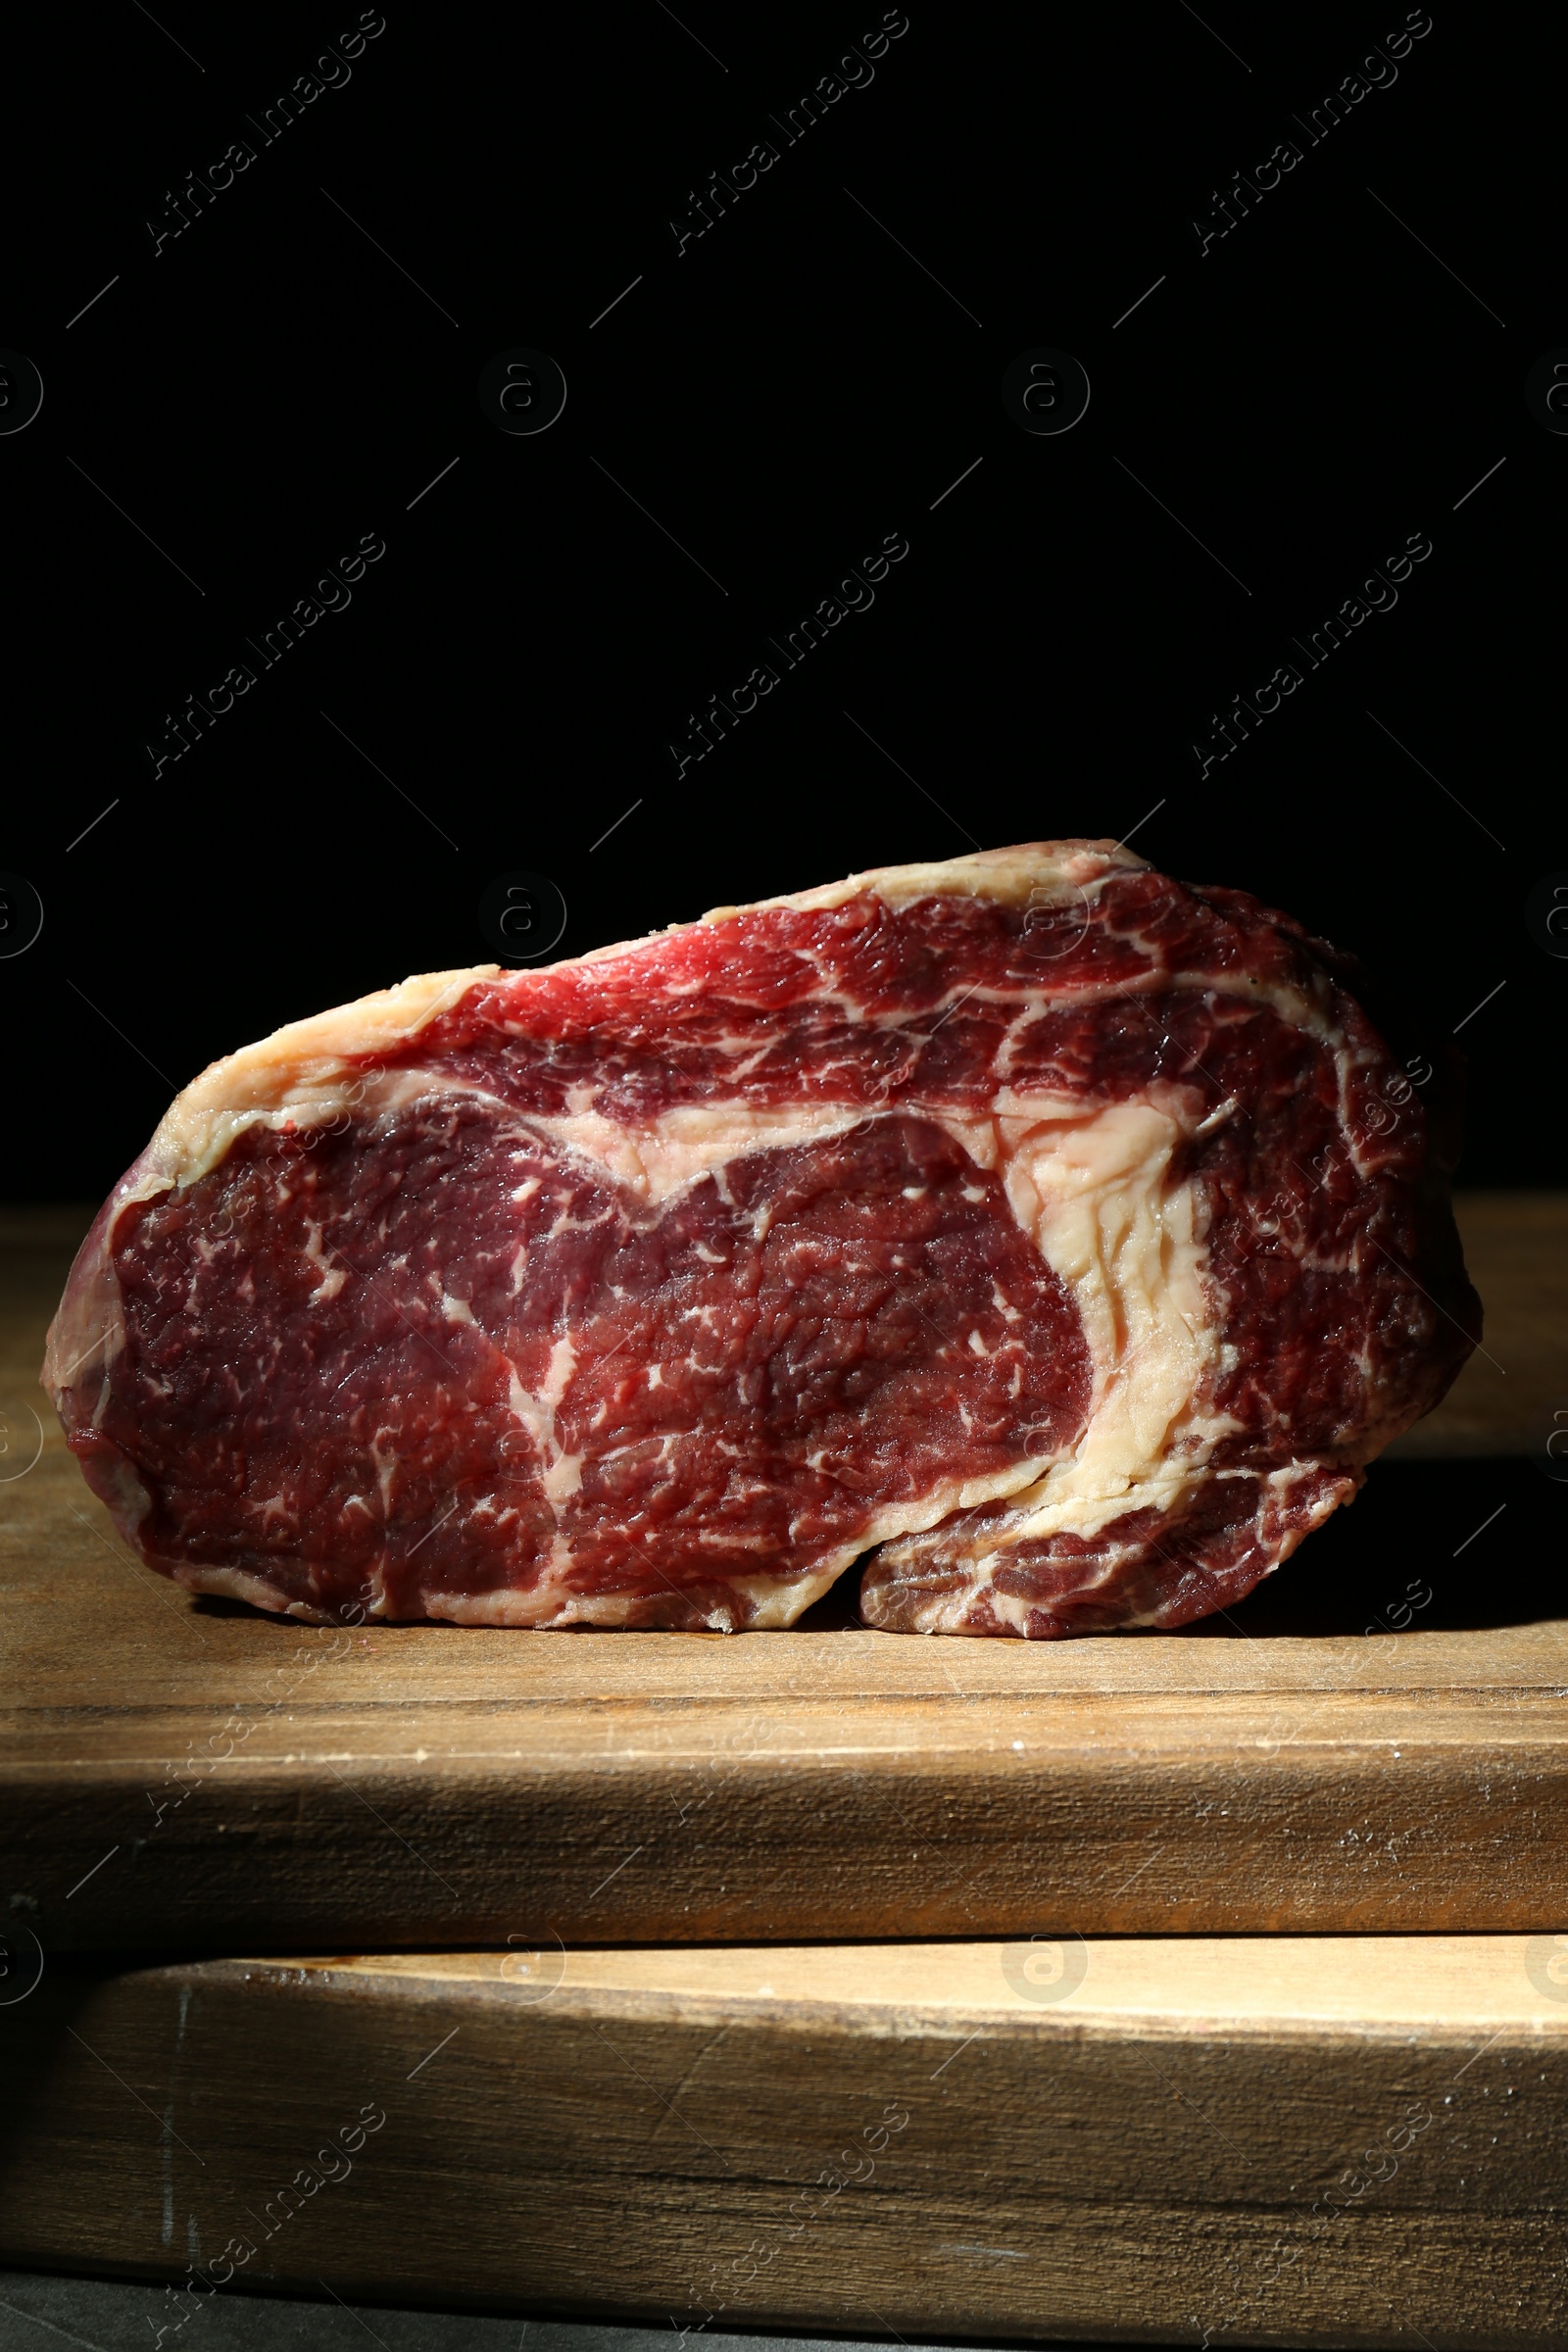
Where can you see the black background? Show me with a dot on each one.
(790, 388)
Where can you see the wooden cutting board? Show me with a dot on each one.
(1377, 1740)
(1326, 2140)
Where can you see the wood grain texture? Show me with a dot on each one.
(1336, 2141)
(1361, 1746)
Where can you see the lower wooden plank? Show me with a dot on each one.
(1308, 2142)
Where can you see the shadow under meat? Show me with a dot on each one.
(1428, 1546)
(1433, 1547)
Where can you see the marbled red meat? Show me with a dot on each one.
(1061, 1237)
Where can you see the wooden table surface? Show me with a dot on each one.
(1107, 2130)
(1377, 1740)
(1317, 2141)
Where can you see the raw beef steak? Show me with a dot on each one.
(1062, 1237)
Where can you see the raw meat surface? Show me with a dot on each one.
(1061, 1236)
